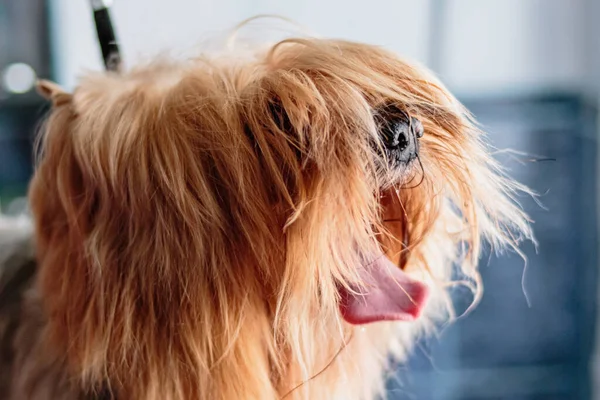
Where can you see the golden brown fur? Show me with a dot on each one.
(194, 219)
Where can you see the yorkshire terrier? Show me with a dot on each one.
(273, 227)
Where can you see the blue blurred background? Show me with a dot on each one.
(530, 72)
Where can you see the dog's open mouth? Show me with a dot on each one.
(388, 294)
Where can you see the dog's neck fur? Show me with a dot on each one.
(29, 370)
(24, 370)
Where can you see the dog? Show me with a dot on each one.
(276, 226)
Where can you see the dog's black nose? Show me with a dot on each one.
(400, 135)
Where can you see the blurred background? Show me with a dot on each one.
(530, 72)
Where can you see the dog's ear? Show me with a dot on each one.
(53, 92)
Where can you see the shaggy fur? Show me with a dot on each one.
(194, 220)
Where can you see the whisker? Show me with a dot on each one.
(422, 176)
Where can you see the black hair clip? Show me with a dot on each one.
(106, 35)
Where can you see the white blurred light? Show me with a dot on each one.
(18, 78)
(99, 4)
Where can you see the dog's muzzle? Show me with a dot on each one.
(400, 136)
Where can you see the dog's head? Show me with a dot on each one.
(191, 214)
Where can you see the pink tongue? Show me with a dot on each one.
(388, 295)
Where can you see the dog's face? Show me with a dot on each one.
(190, 215)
